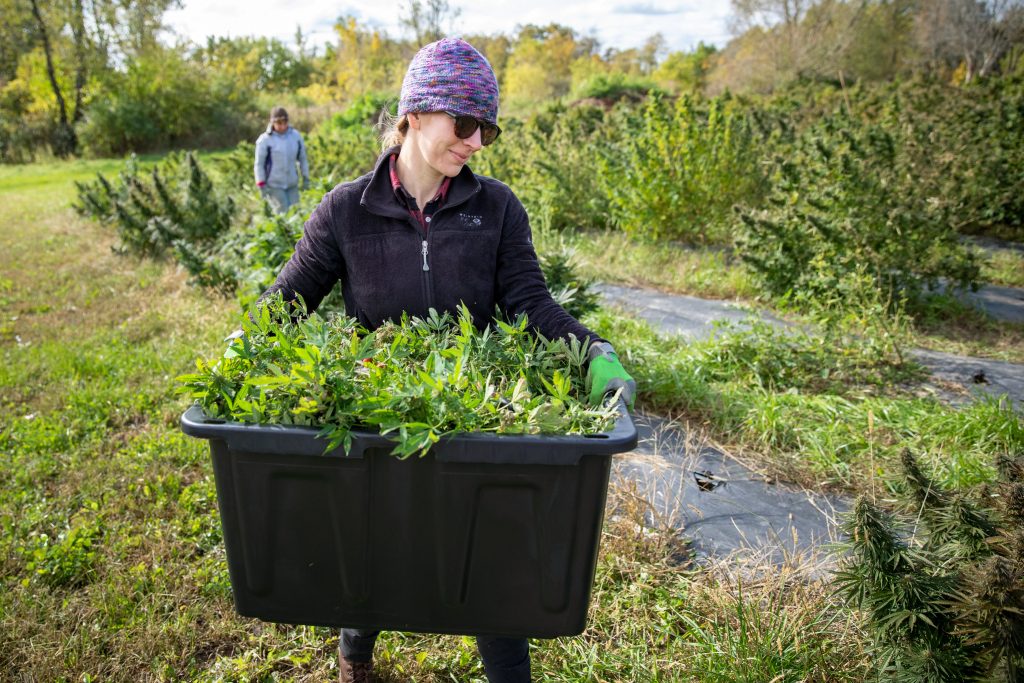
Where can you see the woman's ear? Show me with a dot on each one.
(414, 120)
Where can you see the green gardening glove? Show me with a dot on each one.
(606, 374)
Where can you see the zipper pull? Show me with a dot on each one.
(424, 252)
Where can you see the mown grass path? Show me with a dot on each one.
(104, 505)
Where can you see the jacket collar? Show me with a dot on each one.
(379, 195)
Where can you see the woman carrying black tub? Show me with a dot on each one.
(423, 231)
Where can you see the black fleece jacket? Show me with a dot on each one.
(478, 251)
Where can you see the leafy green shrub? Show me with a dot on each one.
(946, 604)
(551, 161)
(964, 146)
(615, 86)
(960, 148)
(567, 287)
(342, 154)
(23, 131)
(362, 112)
(416, 380)
(164, 101)
(232, 170)
(680, 168)
(247, 259)
(179, 205)
(840, 208)
(345, 146)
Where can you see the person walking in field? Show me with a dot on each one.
(279, 152)
(422, 231)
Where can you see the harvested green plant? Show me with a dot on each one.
(417, 380)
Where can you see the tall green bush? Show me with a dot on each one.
(965, 145)
(614, 86)
(680, 167)
(551, 161)
(841, 207)
(959, 147)
(345, 145)
(178, 204)
(164, 101)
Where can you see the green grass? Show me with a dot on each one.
(52, 180)
(1004, 267)
(942, 323)
(616, 258)
(111, 559)
(823, 412)
(101, 497)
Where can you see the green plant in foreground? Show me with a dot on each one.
(417, 380)
(948, 603)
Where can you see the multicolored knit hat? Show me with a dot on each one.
(450, 75)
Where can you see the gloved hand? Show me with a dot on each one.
(606, 374)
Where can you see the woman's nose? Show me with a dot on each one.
(474, 140)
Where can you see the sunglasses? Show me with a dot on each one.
(467, 125)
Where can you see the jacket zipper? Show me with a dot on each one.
(428, 289)
(428, 282)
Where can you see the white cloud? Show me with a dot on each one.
(263, 18)
(616, 23)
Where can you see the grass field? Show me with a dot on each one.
(111, 560)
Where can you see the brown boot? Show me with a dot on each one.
(354, 672)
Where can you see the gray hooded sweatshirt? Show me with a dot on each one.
(276, 157)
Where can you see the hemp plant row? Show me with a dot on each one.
(416, 380)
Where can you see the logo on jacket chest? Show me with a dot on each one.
(470, 221)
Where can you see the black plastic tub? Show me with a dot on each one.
(493, 535)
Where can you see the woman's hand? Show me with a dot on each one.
(606, 374)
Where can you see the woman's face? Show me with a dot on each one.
(280, 125)
(438, 144)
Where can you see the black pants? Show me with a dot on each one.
(506, 660)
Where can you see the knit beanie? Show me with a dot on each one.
(450, 75)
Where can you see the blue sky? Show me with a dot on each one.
(616, 23)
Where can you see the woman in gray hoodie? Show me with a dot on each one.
(278, 152)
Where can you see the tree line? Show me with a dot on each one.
(98, 77)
